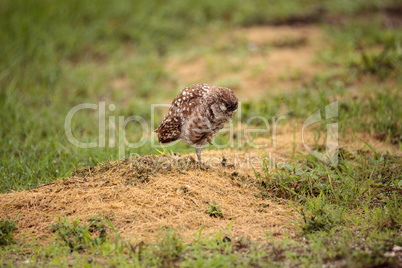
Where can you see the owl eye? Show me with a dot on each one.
(231, 106)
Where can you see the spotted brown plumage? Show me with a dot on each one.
(197, 114)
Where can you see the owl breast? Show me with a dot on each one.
(201, 127)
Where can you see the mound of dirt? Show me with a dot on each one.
(142, 194)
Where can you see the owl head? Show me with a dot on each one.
(225, 105)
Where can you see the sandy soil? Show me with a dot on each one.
(263, 59)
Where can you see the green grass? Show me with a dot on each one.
(56, 55)
(358, 246)
(7, 228)
(79, 237)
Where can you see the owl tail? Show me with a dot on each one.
(158, 130)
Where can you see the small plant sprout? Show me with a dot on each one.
(214, 210)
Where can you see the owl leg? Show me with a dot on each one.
(198, 152)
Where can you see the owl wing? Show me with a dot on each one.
(169, 130)
(185, 102)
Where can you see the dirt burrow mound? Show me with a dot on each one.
(142, 194)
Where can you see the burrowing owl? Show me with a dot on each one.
(197, 114)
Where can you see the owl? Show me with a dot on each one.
(197, 114)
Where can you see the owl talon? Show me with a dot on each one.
(201, 166)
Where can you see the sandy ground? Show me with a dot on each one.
(259, 59)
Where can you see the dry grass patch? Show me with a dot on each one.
(143, 194)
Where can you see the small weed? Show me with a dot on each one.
(79, 237)
(320, 216)
(169, 249)
(7, 228)
(214, 210)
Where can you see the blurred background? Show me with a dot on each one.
(280, 57)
